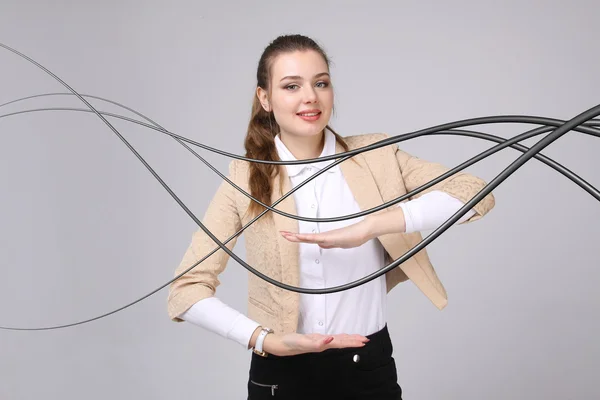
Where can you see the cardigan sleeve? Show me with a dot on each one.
(462, 186)
(223, 220)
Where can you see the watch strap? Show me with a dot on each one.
(258, 348)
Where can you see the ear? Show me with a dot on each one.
(263, 98)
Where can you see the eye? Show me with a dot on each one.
(290, 86)
(324, 84)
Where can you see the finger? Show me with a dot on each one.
(345, 345)
(349, 341)
(319, 240)
(341, 343)
(328, 340)
(306, 238)
(289, 237)
(352, 339)
(360, 337)
(295, 239)
(327, 246)
(322, 343)
(352, 336)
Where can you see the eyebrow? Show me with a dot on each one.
(299, 77)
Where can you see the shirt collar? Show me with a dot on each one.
(295, 169)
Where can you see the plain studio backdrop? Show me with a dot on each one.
(86, 229)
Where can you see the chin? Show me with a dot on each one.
(310, 130)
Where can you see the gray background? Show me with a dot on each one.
(86, 229)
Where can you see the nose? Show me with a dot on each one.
(310, 95)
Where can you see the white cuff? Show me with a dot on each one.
(408, 218)
(214, 315)
(431, 210)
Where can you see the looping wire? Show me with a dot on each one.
(584, 122)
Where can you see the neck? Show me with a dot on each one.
(304, 147)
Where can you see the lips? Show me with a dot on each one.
(309, 113)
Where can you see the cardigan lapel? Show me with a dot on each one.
(288, 251)
(367, 195)
(364, 188)
(360, 181)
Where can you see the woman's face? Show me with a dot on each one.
(300, 85)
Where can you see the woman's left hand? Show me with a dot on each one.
(350, 236)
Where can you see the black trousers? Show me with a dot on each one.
(367, 372)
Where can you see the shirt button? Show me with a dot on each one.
(314, 230)
(320, 323)
(312, 206)
(317, 260)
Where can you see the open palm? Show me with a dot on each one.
(347, 237)
(296, 343)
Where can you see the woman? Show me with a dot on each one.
(316, 346)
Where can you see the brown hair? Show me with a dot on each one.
(262, 128)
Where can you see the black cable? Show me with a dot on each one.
(503, 143)
(521, 148)
(561, 130)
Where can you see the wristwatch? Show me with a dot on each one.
(258, 347)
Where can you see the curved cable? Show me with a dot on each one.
(521, 148)
(561, 130)
(503, 143)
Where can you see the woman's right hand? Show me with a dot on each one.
(296, 343)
